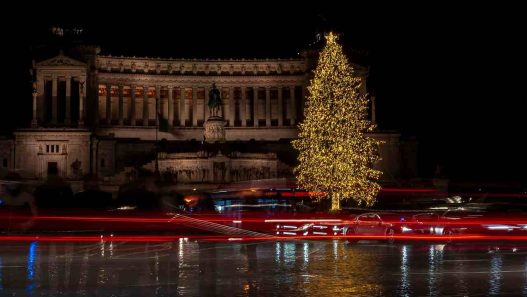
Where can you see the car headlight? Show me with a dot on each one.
(305, 227)
(406, 229)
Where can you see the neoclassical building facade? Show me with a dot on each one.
(103, 115)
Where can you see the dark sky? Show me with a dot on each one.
(446, 75)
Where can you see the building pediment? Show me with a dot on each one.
(60, 61)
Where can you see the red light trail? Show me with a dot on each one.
(222, 238)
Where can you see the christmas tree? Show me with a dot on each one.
(336, 156)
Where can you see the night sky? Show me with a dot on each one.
(445, 75)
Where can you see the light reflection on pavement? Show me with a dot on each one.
(283, 268)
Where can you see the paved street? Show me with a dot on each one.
(288, 268)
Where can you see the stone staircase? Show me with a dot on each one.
(126, 175)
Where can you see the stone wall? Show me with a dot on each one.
(37, 149)
(204, 168)
(7, 156)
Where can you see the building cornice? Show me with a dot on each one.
(201, 66)
(184, 80)
(60, 61)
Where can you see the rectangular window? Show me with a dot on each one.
(177, 93)
(200, 93)
(163, 93)
(114, 91)
(225, 93)
(139, 92)
(47, 148)
(102, 90)
(151, 92)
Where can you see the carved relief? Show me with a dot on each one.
(217, 169)
(76, 168)
(279, 68)
(60, 60)
(214, 131)
(202, 154)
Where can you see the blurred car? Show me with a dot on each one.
(483, 222)
(422, 223)
(292, 229)
(386, 225)
(472, 219)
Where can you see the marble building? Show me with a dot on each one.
(103, 114)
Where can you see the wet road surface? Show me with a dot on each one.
(285, 268)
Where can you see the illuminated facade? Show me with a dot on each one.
(104, 115)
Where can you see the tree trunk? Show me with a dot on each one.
(335, 202)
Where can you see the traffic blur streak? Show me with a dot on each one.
(521, 222)
(221, 238)
(372, 225)
(166, 218)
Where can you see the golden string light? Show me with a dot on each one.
(335, 154)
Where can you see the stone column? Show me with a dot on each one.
(132, 106)
(145, 106)
(182, 107)
(280, 107)
(54, 85)
(108, 104)
(81, 103)
(40, 98)
(206, 111)
(93, 87)
(255, 106)
(194, 107)
(34, 122)
(362, 89)
(121, 105)
(232, 107)
(268, 106)
(302, 100)
(243, 107)
(293, 104)
(170, 107)
(224, 106)
(158, 105)
(373, 111)
(94, 159)
(67, 118)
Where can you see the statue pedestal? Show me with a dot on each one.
(214, 129)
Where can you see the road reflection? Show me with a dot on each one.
(283, 268)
